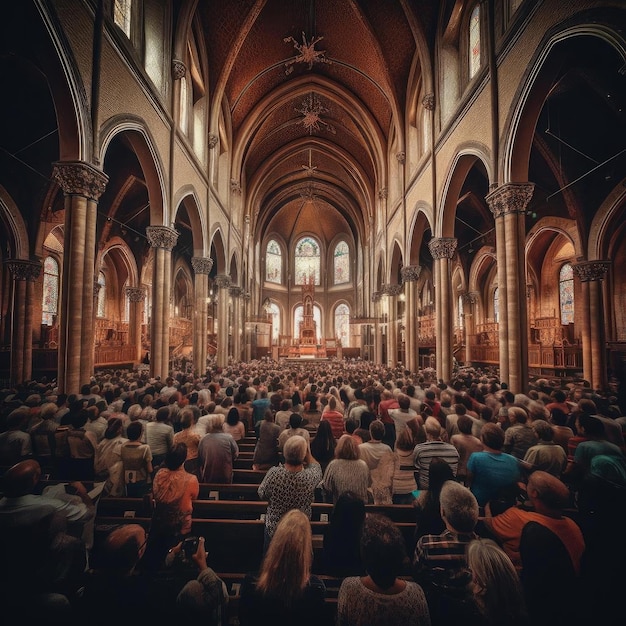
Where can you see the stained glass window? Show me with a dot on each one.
(102, 294)
(307, 261)
(274, 312)
(121, 14)
(342, 324)
(496, 305)
(126, 304)
(474, 41)
(50, 303)
(342, 263)
(317, 317)
(273, 263)
(566, 294)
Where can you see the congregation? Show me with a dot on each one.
(516, 500)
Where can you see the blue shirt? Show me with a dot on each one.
(491, 472)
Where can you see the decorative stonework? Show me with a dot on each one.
(135, 294)
(470, 297)
(443, 247)
(376, 296)
(77, 178)
(201, 264)
(429, 101)
(162, 237)
(410, 273)
(312, 110)
(392, 290)
(24, 270)
(178, 69)
(401, 156)
(235, 186)
(235, 291)
(591, 270)
(510, 198)
(382, 193)
(222, 281)
(307, 54)
(213, 139)
(246, 295)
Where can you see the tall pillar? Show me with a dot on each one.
(136, 297)
(470, 298)
(163, 240)
(245, 298)
(202, 267)
(235, 294)
(82, 186)
(590, 274)
(442, 250)
(392, 292)
(508, 204)
(410, 275)
(25, 273)
(378, 338)
(222, 282)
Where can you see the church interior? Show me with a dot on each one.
(424, 183)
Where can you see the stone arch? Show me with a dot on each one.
(186, 196)
(14, 226)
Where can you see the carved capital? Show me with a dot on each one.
(429, 101)
(470, 297)
(77, 178)
(24, 270)
(201, 264)
(235, 186)
(376, 296)
(382, 193)
(410, 273)
(135, 294)
(401, 156)
(235, 291)
(510, 198)
(392, 290)
(212, 141)
(442, 247)
(179, 69)
(162, 237)
(591, 270)
(246, 295)
(222, 281)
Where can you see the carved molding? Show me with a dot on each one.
(179, 69)
(222, 281)
(429, 101)
(401, 156)
(591, 270)
(77, 178)
(213, 139)
(442, 247)
(235, 186)
(135, 294)
(201, 264)
(382, 193)
(410, 273)
(510, 198)
(24, 270)
(162, 237)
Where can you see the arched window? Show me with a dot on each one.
(102, 294)
(307, 261)
(341, 260)
(273, 263)
(184, 106)
(474, 41)
(496, 305)
(126, 303)
(297, 318)
(122, 13)
(342, 325)
(50, 303)
(460, 316)
(274, 313)
(566, 294)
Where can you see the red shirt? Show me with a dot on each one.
(336, 422)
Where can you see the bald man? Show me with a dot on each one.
(548, 497)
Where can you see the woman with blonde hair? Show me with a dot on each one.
(285, 592)
(496, 585)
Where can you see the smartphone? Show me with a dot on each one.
(190, 546)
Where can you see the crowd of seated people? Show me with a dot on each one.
(539, 473)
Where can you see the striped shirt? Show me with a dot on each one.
(429, 450)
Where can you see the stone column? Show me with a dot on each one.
(222, 282)
(508, 204)
(392, 291)
(442, 250)
(590, 273)
(136, 297)
(82, 186)
(202, 268)
(25, 273)
(410, 275)
(245, 299)
(163, 240)
(378, 338)
(470, 298)
(235, 294)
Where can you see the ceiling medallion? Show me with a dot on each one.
(306, 53)
(312, 109)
